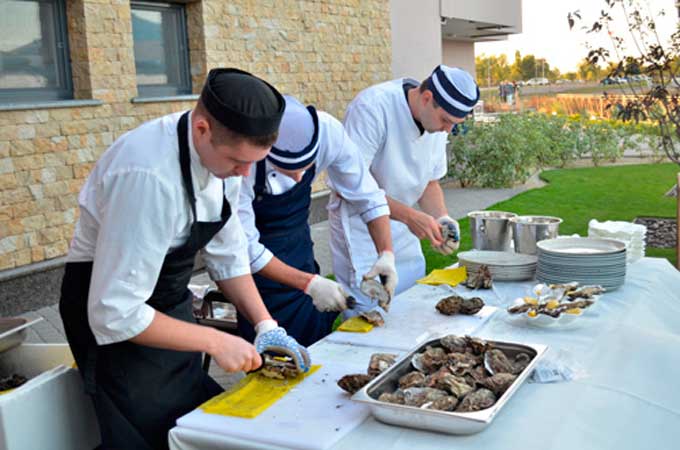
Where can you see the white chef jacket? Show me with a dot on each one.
(403, 162)
(133, 211)
(347, 175)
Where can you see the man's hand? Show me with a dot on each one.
(273, 338)
(424, 226)
(235, 354)
(385, 267)
(451, 231)
(327, 295)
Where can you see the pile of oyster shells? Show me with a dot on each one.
(455, 304)
(462, 374)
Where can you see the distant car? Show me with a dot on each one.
(612, 80)
(538, 81)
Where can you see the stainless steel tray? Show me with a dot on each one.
(441, 421)
(13, 331)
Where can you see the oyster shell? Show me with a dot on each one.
(453, 343)
(498, 383)
(496, 361)
(418, 396)
(412, 379)
(376, 291)
(373, 317)
(456, 304)
(453, 384)
(447, 403)
(392, 397)
(278, 367)
(481, 279)
(353, 382)
(587, 292)
(430, 360)
(476, 401)
(380, 362)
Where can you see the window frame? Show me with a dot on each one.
(46, 94)
(167, 90)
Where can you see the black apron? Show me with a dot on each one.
(139, 391)
(282, 221)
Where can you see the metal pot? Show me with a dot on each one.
(528, 230)
(490, 230)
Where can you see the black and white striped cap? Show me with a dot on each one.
(454, 90)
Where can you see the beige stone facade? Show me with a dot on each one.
(322, 51)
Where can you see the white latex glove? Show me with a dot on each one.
(451, 244)
(385, 267)
(327, 295)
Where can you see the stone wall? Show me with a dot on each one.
(322, 51)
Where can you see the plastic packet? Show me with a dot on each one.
(557, 366)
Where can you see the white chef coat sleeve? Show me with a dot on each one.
(136, 229)
(348, 175)
(226, 255)
(440, 167)
(258, 254)
(366, 128)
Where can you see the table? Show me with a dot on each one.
(628, 345)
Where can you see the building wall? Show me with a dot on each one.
(459, 54)
(416, 38)
(322, 51)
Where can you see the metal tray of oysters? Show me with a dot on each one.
(472, 380)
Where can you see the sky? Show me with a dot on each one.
(545, 30)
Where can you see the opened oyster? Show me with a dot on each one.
(373, 317)
(481, 279)
(456, 304)
(352, 383)
(279, 367)
(586, 292)
(377, 292)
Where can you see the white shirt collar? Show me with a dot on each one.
(199, 173)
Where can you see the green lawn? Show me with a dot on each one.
(578, 195)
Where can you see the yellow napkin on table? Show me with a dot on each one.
(355, 324)
(444, 276)
(252, 395)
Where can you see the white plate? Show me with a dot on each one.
(489, 258)
(581, 246)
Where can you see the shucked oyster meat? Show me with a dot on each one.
(455, 304)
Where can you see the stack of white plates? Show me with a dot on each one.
(588, 260)
(504, 266)
(631, 234)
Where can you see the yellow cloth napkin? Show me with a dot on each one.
(355, 324)
(444, 276)
(252, 395)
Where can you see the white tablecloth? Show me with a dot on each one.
(628, 345)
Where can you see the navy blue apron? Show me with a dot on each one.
(282, 221)
(138, 391)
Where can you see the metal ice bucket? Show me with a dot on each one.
(490, 230)
(528, 230)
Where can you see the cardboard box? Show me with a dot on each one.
(51, 411)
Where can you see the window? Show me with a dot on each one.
(161, 50)
(34, 58)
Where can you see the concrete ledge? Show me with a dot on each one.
(171, 98)
(49, 105)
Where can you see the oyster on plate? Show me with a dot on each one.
(586, 292)
(481, 279)
(455, 304)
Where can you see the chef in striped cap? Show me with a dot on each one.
(274, 210)
(401, 127)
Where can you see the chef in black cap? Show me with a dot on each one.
(161, 193)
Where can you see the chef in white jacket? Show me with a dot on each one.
(401, 128)
(274, 210)
(159, 195)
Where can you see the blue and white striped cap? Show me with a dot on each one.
(454, 90)
(298, 141)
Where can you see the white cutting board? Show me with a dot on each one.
(314, 415)
(413, 319)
